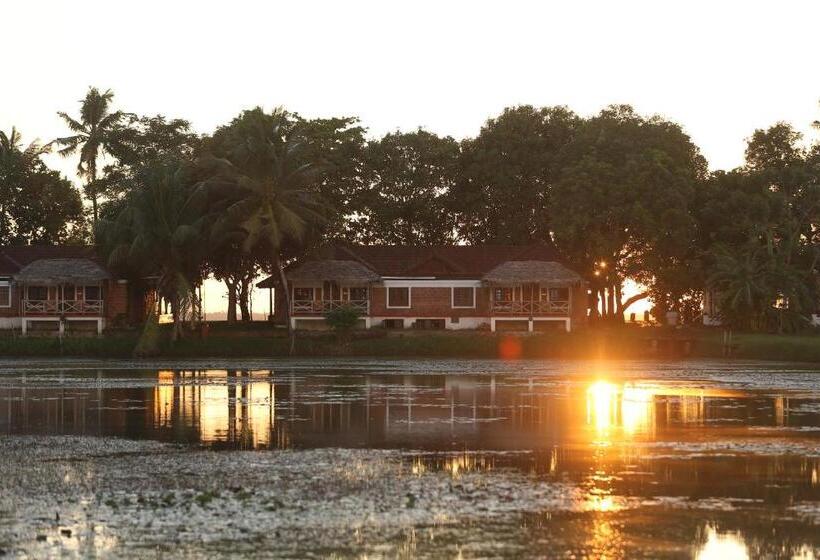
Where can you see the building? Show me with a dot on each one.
(59, 289)
(522, 288)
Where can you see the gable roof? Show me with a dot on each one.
(344, 272)
(531, 272)
(61, 271)
(406, 261)
(15, 257)
(444, 261)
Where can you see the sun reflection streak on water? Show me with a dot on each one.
(722, 546)
(631, 407)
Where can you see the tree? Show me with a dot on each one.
(337, 146)
(156, 231)
(621, 205)
(136, 142)
(763, 263)
(758, 289)
(37, 205)
(91, 138)
(405, 201)
(507, 175)
(259, 164)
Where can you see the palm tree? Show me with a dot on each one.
(13, 144)
(260, 164)
(91, 138)
(758, 287)
(157, 232)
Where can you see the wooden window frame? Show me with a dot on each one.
(409, 297)
(6, 283)
(453, 297)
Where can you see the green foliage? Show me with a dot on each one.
(156, 232)
(405, 199)
(763, 261)
(342, 319)
(136, 142)
(507, 174)
(37, 205)
(91, 138)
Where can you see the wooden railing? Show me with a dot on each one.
(323, 306)
(530, 308)
(60, 307)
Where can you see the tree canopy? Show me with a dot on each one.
(619, 195)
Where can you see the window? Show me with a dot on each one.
(463, 297)
(559, 294)
(503, 294)
(303, 294)
(37, 293)
(398, 297)
(5, 292)
(358, 294)
(92, 293)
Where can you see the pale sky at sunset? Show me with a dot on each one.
(719, 68)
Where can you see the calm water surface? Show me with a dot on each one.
(727, 458)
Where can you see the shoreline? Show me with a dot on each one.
(615, 344)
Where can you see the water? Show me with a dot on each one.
(681, 460)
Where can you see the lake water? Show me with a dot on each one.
(693, 459)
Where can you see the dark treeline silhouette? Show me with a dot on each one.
(621, 196)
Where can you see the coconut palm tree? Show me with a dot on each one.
(13, 143)
(91, 138)
(259, 163)
(156, 231)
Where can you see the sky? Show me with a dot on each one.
(721, 69)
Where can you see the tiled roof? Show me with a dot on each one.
(15, 258)
(447, 262)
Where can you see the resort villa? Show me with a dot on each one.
(60, 288)
(522, 288)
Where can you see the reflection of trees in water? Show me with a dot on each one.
(239, 408)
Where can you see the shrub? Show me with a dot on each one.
(342, 320)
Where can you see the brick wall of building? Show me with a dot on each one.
(14, 310)
(116, 300)
(428, 302)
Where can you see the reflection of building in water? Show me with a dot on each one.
(451, 412)
(238, 408)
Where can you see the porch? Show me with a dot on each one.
(532, 296)
(329, 296)
(320, 307)
(58, 292)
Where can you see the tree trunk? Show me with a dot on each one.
(231, 318)
(619, 308)
(611, 303)
(176, 330)
(244, 297)
(630, 300)
(285, 292)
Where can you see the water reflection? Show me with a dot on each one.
(722, 546)
(615, 441)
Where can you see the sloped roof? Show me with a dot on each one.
(525, 272)
(442, 262)
(61, 271)
(13, 258)
(451, 261)
(342, 271)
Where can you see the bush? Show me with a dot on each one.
(342, 320)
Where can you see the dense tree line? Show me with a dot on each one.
(620, 196)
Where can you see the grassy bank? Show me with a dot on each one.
(601, 344)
